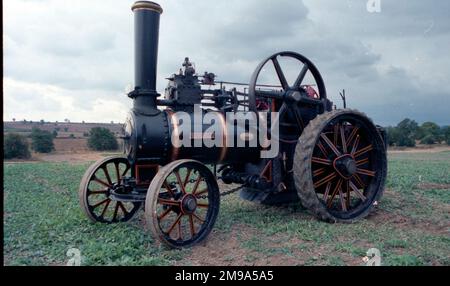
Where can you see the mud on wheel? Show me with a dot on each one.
(182, 203)
(340, 166)
(99, 181)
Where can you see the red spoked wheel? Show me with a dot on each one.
(340, 166)
(103, 177)
(182, 203)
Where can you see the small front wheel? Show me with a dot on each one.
(100, 179)
(182, 203)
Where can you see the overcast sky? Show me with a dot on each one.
(74, 59)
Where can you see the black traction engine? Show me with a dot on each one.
(277, 143)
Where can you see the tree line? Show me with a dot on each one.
(408, 132)
(17, 146)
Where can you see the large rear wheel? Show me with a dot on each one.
(340, 166)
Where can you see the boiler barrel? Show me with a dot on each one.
(153, 139)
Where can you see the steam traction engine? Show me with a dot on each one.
(331, 160)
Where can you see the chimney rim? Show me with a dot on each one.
(147, 5)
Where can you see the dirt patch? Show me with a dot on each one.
(69, 157)
(419, 149)
(384, 217)
(432, 186)
(59, 157)
(226, 248)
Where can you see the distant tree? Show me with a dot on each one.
(392, 135)
(14, 120)
(66, 120)
(41, 140)
(71, 135)
(85, 134)
(42, 121)
(112, 122)
(446, 134)
(404, 134)
(66, 129)
(430, 133)
(82, 122)
(15, 146)
(101, 139)
(55, 133)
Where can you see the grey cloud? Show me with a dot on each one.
(394, 64)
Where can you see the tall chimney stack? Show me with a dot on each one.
(146, 34)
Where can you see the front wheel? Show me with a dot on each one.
(98, 182)
(340, 166)
(182, 203)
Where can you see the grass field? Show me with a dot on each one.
(411, 225)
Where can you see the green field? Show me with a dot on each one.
(411, 225)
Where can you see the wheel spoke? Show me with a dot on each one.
(108, 178)
(97, 192)
(359, 181)
(116, 209)
(365, 172)
(335, 134)
(203, 205)
(357, 192)
(122, 207)
(188, 174)
(180, 232)
(327, 191)
(321, 161)
(125, 171)
(100, 203)
(322, 149)
(101, 182)
(168, 188)
(330, 144)
(318, 172)
(352, 135)
(165, 213)
(280, 74)
(105, 208)
(344, 143)
(201, 192)
(355, 145)
(174, 224)
(180, 183)
(301, 76)
(116, 165)
(335, 191)
(197, 182)
(191, 225)
(325, 180)
(347, 190)
(362, 162)
(342, 200)
(168, 202)
(198, 218)
(363, 150)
